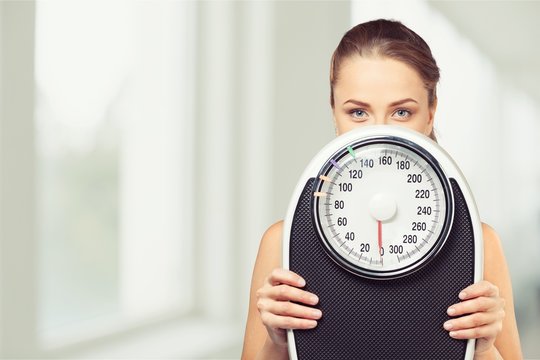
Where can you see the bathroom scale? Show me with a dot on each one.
(384, 229)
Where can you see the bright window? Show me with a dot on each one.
(113, 124)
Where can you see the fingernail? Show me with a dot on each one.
(453, 333)
(314, 299)
(316, 313)
(448, 325)
(462, 295)
(302, 282)
(313, 324)
(451, 311)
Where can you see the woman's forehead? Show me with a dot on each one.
(378, 79)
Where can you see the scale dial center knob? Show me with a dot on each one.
(382, 206)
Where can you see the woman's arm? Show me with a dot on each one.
(496, 272)
(486, 310)
(274, 305)
(268, 258)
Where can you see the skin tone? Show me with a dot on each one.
(376, 90)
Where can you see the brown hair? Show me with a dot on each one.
(387, 38)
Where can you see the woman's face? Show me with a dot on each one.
(380, 90)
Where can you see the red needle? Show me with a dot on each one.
(379, 223)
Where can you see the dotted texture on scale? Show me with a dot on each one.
(381, 319)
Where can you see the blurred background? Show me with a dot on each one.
(145, 146)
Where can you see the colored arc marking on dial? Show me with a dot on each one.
(335, 163)
(320, 193)
(351, 151)
(325, 178)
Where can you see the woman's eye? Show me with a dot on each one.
(402, 114)
(359, 114)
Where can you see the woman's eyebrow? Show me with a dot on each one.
(357, 102)
(403, 101)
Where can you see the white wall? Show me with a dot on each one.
(17, 183)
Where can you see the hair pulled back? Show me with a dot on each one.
(392, 39)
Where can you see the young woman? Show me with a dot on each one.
(381, 73)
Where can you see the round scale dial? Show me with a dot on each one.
(382, 207)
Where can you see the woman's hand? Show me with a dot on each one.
(481, 311)
(279, 302)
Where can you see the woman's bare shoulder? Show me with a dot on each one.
(490, 235)
(493, 249)
(274, 232)
(493, 255)
(270, 247)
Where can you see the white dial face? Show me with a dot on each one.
(382, 208)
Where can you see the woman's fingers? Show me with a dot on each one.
(475, 305)
(478, 316)
(284, 305)
(481, 288)
(286, 308)
(485, 331)
(474, 320)
(282, 285)
(282, 276)
(289, 293)
(286, 322)
(480, 297)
